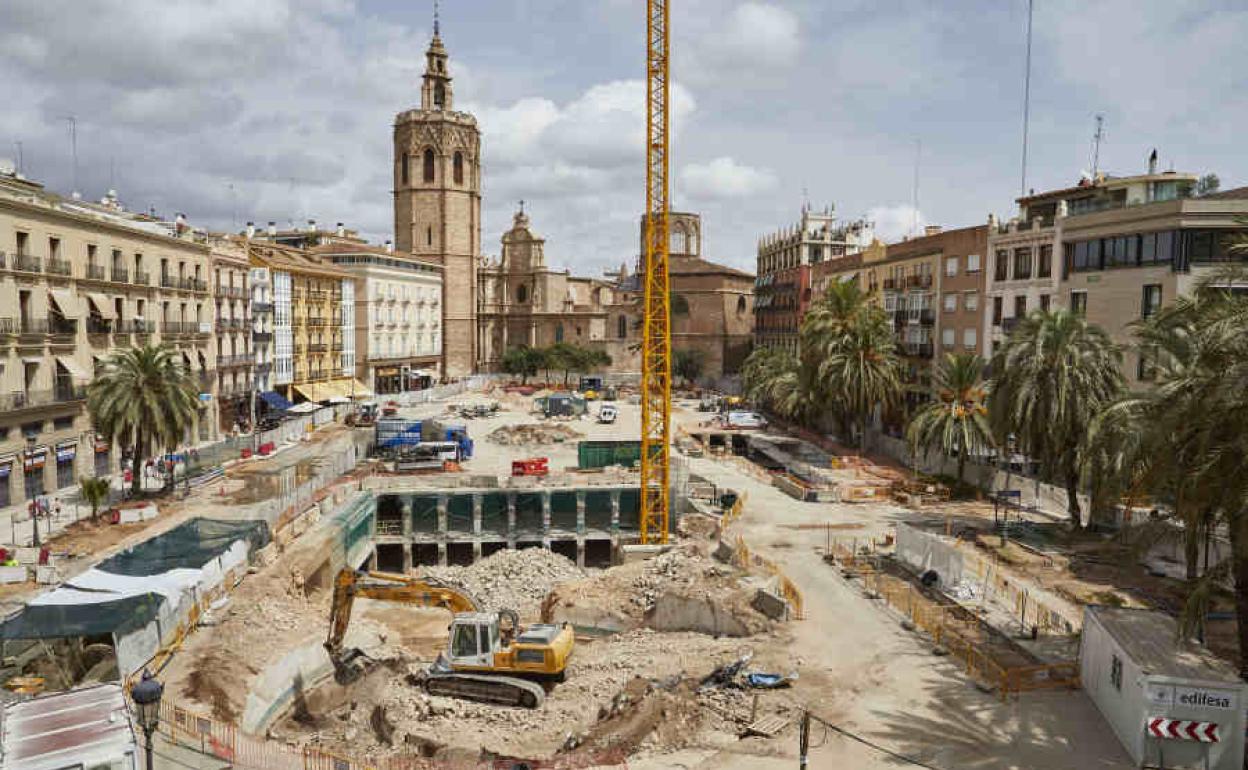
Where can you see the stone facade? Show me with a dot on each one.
(437, 203)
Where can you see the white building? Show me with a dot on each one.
(283, 332)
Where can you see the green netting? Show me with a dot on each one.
(189, 545)
(563, 511)
(529, 512)
(424, 513)
(598, 510)
(51, 621)
(630, 509)
(494, 512)
(459, 513)
(361, 529)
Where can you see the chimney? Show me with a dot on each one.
(340, 230)
(389, 246)
(272, 229)
(932, 230)
(992, 222)
(1152, 162)
(251, 230)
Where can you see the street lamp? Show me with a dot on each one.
(146, 696)
(31, 438)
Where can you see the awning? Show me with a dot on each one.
(275, 400)
(340, 400)
(305, 407)
(66, 302)
(332, 389)
(75, 371)
(32, 360)
(102, 305)
(361, 391)
(311, 391)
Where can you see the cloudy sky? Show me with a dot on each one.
(236, 110)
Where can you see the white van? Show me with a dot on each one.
(607, 414)
(744, 420)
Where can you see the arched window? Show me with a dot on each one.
(621, 327)
(741, 304)
(558, 332)
(439, 95)
(428, 165)
(403, 168)
(522, 294)
(459, 168)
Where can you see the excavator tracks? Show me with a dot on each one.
(485, 688)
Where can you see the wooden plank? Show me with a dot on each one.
(768, 726)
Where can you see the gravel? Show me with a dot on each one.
(510, 579)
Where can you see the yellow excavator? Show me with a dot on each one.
(486, 659)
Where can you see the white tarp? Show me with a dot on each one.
(137, 648)
(924, 551)
(95, 586)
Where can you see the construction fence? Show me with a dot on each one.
(744, 559)
(970, 640)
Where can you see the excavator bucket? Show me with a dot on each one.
(350, 665)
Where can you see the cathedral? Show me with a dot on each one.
(490, 305)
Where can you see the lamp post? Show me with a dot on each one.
(146, 697)
(34, 515)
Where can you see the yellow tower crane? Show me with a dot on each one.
(656, 351)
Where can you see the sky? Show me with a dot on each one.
(237, 110)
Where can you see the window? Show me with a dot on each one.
(558, 332)
(522, 294)
(951, 266)
(23, 243)
(1151, 301)
(948, 337)
(951, 303)
(101, 462)
(970, 301)
(465, 642)
(1001, 266)
(428, 165)
(1044, 302)
(458, 168)
(403, 172)
(1146, 367)
(439, 95)
(64, 470)
(972, 263)
(1115, 672)
(1044, 267)
(741, 304)
(1022, 263)
(997, 304)
(970, 338)
(1079, 302)
(429, 235)
(1020, 306)
(621, 327)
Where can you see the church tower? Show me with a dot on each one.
(437, 202)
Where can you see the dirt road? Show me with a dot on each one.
(864, 673)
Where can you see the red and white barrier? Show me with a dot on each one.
(1182, 729)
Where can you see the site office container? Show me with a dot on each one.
(1134, 670)
(601, 454)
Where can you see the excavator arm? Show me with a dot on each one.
(387, 586)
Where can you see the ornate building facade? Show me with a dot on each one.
(437, 203)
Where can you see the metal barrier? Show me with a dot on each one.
(745, 560)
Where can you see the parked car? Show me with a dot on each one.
(744, 420)
(607, 414)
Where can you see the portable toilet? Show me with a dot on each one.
(1171, 703)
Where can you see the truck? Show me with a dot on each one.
(395, 434)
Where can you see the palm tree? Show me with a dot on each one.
(1051, 378)
(956, 419)
(144, 397)
(853, 362)
(94, 491)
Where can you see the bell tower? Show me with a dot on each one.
(437, 201)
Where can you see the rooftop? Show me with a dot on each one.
(87, 727)
(1150, 639)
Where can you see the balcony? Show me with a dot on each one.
(63, 393)
(262, 307)
(918, 349)
(1009, 324)
(234, 292)
(317, 347)
(8, 327)
(316, 322)
(262, 336)
(135, 326)
(98, 325)
(27, 264)
(179, 327)
(919, 282)
(926, 317)
(96, 273)
(196, 284)
(120, 275)
(58, 267)
(168, 282)
(240, 359)
(142, 279)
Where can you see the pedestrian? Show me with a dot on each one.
(57, 509)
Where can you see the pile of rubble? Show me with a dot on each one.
(532, 434)
(512, 579)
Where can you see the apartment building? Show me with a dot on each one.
(235, 355)
(78, 280)
(309, 342)
(1121, 264)
(1026, 250)
(782, 285)
(396, 323)
(260, 285)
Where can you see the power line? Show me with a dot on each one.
(871, 744)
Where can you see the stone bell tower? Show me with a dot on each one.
(437, 201)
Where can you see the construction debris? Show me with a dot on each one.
(510, 579)
(531, 434)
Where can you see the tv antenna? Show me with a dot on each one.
(73, 146)
(1097, 138)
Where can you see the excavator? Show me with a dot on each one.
(490, 657)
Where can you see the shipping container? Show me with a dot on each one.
(601, 454)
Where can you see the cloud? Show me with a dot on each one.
(895, 222)
(724, 177)
(753, 43)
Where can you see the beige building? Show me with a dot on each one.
(525, 302)
(235, 355)
(79, 280)
(1122, 263)
(437, 203)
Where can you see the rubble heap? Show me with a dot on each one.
(511, 579)
(530, 434)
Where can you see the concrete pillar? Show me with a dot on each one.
(441, 554)
(580, 552)
(442, 506)
(406, 508)
(407, 559)
(615, 510)
(580, 511)
(546, 516)
(511, 518)
(476, 520)
(476, 550)
(372, 558)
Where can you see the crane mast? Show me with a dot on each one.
(656, 364)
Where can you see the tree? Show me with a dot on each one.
(523, 361)
(687, 364)
(568, 358)
(94, 491)
(1051, 378)
(144, 397)
(1208, 184)
(956, 419)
